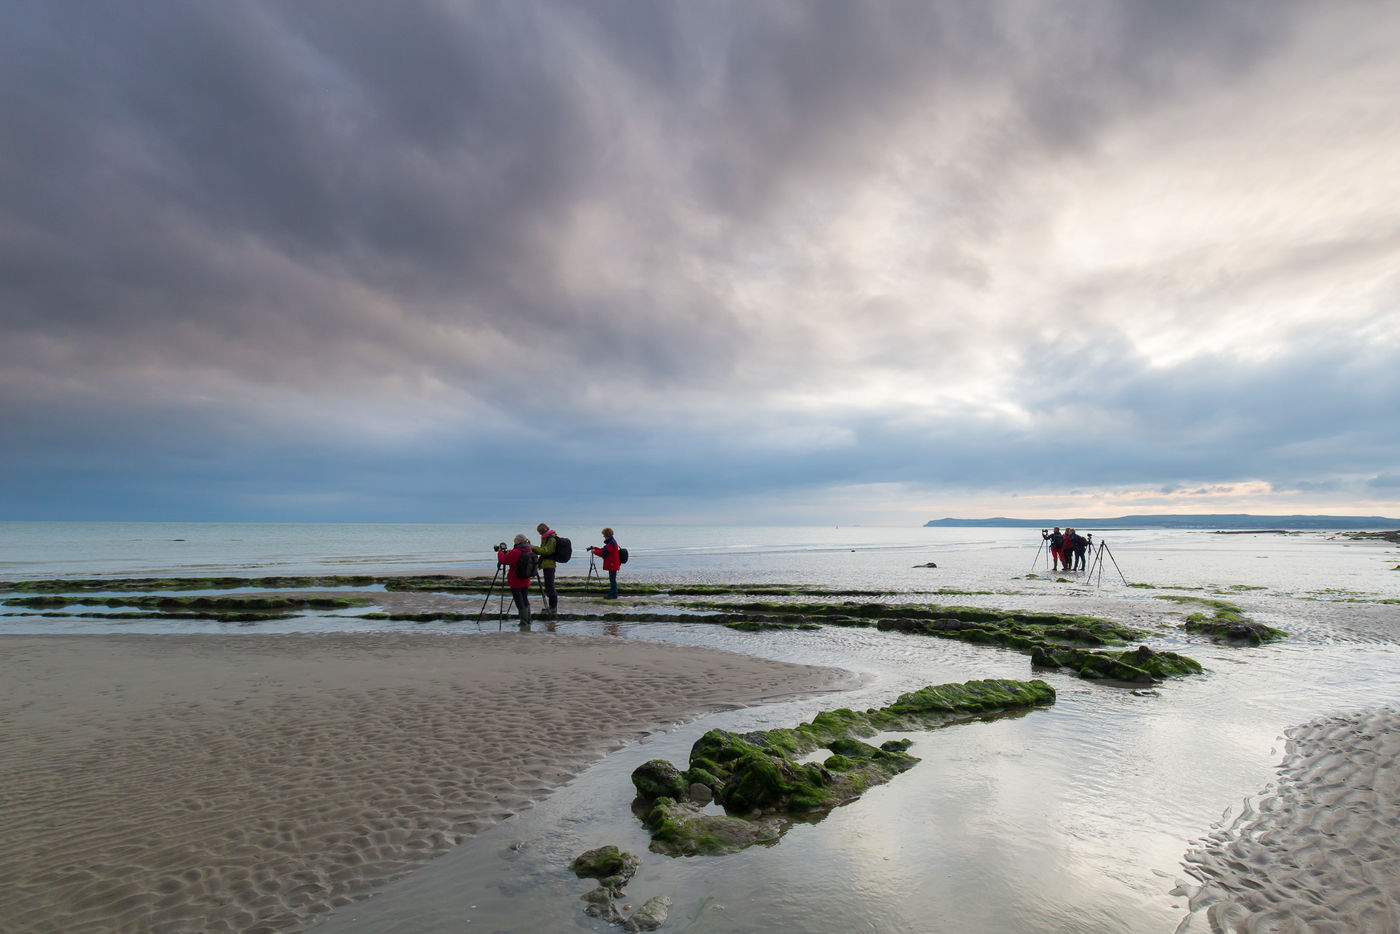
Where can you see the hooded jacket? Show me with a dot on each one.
(612, 559)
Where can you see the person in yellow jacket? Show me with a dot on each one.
(549, 540)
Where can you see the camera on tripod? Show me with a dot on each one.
(501, 546)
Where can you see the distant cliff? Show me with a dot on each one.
(1231, 521)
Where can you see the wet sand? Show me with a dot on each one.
(250, 783)
(1319, 851)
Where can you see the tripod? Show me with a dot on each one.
(1037, 554)
(500, 620)
(1098, 562)
(592, 568)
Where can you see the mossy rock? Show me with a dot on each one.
(682, 829)
(606, 863)
(698, 775)
(1139, 666)
(1233, 632)
(971, 697)
(853, 748)
(756, 774)
(760, 782)
(1227, 624)
(659, 778)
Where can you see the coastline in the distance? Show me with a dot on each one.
(1230, 521)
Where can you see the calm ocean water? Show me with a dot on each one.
(1074, 818)
(855, 556)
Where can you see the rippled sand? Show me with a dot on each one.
(1320, 851)
(251, 782)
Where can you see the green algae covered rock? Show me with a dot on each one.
(1232, 631)
(682, 829)
(659, 779)
(1139, 666)
(1226, 624)
(759, 781)
(606, 863)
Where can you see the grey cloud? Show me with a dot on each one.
(465, 213)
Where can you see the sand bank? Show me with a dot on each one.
(1319, 851)
(249, 782)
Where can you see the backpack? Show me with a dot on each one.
(563, 548)
(527, 564)
(622, 555)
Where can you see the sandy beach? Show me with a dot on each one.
(1320, 850)
(248, 783)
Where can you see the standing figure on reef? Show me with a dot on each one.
(612, 560)
(549, 541)
(1057, 546)
(519, 584)
(1078, 543)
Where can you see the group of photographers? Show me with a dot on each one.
(1067, 548)
(546, 550)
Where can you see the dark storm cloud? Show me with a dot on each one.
(341, 244)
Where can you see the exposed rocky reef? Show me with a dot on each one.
(431, 583)
(1389, 535)
(89, 584)
(1053, 640)
(251, 608)
(761, 785)
(1227, 623)
(1139, 666)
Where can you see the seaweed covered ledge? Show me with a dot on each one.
(757, 779)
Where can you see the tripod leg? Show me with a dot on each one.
(1036, 562)
(1115, 564)
(488, 596)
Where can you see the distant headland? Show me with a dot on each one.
(1229, 521)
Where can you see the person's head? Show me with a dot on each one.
(1057, 528)
(542, 528)
(521, 539)
(607, 532)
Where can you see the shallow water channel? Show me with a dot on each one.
(1071, 818)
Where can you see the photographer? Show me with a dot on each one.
(612, 560)
(549, 541)
(1077, 544)
(519, 586)
(1057, 548)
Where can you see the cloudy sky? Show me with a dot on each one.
(756, 261)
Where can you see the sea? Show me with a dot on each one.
(1079, 817)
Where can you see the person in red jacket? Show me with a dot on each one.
(612, 561)
(519, 586)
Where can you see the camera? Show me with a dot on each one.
(501, 546)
